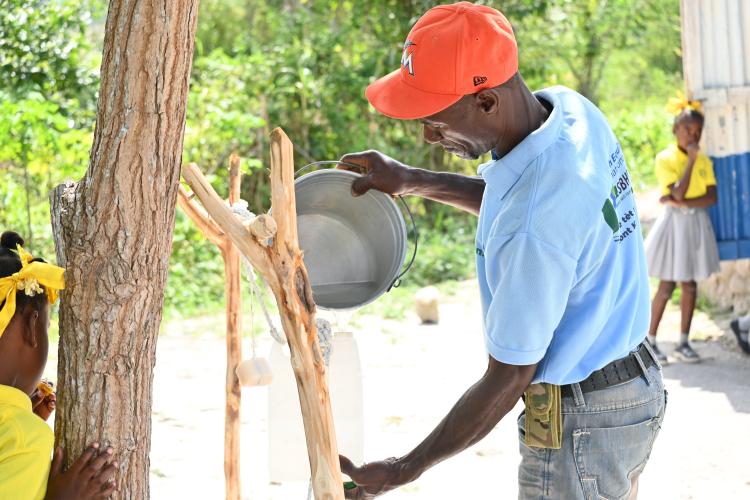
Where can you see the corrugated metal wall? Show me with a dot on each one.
(716, 58)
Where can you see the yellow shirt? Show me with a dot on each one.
(26, 443)
(671, 164)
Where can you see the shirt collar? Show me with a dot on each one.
(14, 397)
(502, 173)
(676, 151)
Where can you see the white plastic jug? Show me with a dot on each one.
(345, 383)
(287, 450)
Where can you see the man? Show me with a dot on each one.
(560, 263)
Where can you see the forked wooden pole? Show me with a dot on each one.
(280, 264)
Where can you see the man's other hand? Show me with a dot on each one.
(379, 171)
(374, 478)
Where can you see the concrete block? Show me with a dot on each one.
(426, 302)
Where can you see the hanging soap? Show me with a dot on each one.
(254, 372)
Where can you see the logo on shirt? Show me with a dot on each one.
(613, 196)
(620, 218)
(621, 189)
(407, 58)
(610, 215)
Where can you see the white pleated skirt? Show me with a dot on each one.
(681, 246)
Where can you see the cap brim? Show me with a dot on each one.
(393, 98)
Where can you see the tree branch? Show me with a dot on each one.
(200, 218)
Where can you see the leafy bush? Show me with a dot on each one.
(445, 254)
(643, 130)
(196, 272)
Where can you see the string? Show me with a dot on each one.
(240, 209)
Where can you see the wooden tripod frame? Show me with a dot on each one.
(272, 247)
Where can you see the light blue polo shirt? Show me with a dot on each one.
(560, 260)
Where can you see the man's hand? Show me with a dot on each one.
(473, 416)
(374, 478)
(91, 477)
(379, 171)
(43, 404)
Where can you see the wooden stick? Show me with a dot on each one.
(232, 290)
(283, 202)
(297, 310)
(259, 257)
(235, 179)
(233, 278)
(200, 218)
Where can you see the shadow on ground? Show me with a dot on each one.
(723, 370)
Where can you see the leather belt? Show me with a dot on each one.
(617, 372)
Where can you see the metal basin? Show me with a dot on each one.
(353, 247)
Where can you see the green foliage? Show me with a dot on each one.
(42, 48)
(47, 97)
(39, 148)
(196, 272)
(643, 129)
(445, 253)
(303, 65)
(573, 42)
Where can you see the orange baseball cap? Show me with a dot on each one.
(452, 51)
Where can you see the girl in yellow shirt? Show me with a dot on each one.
(27, 287)
(681, 247)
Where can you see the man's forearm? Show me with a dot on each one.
(473, 417)
(460, 191)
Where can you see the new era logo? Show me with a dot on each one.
(479, 80)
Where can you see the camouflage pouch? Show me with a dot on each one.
(543, 416)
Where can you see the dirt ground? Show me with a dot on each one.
(412, 375)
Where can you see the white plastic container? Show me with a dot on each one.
(345, 383)
(287, 450)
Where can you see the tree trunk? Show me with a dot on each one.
(113, 232)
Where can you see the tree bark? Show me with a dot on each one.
(113, 232)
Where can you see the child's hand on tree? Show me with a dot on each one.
(91, 477)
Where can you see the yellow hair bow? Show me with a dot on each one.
(679, 103)
(31, 278)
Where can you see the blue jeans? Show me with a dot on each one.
(607, 439)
